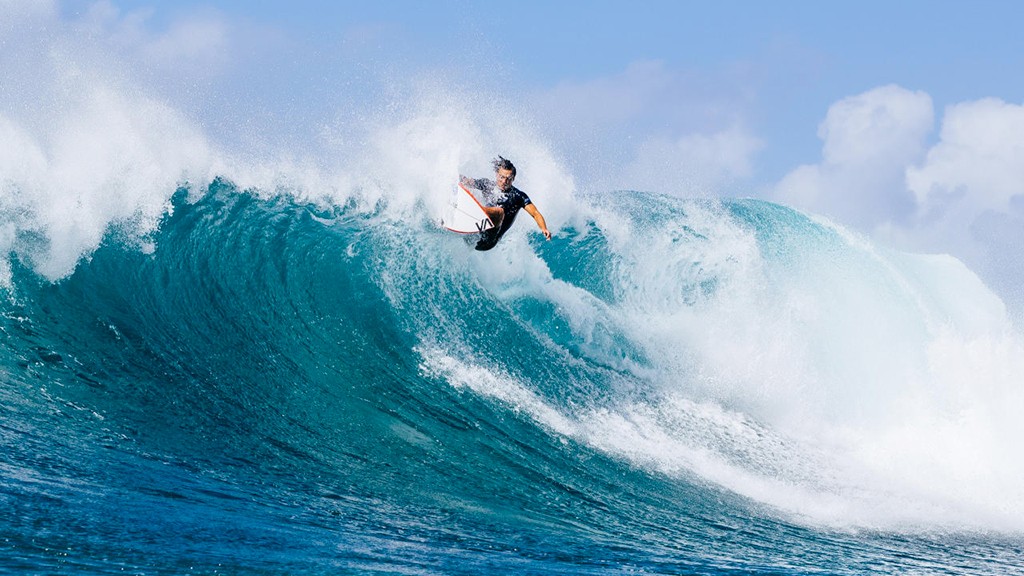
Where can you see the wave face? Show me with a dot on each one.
(267, 385)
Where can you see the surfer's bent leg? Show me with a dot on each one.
(488, 239)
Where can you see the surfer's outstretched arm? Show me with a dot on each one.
(532, 210)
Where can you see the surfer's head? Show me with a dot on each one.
(504, 173)
(502, 163)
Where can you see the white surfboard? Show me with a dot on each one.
(464, 214)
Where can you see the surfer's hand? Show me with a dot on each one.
(547, 235)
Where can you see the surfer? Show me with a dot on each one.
(502, 201)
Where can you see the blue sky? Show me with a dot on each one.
(902, 120)
(769, 70)
(779, 64)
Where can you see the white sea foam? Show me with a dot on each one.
(898, 377)
(838, 382)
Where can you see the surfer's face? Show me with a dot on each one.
(504, 179)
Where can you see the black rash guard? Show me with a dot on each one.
(511, 201)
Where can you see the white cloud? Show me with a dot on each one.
(962, 196)
(693, 164)
(197, 43)
(651, 127)
(876, 126)
(977, 165)
(969, 193)
(646, 97)
(869, 140)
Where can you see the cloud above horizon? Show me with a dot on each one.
(654, 127)
(962, 194)
(869, 141)
(197, 43)
(694, 164)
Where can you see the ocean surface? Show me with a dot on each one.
(261, 382)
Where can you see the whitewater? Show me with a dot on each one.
(220, 363)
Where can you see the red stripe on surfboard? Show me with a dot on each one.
(466, 190)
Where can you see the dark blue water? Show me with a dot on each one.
(288, 388)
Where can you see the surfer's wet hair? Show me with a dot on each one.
(501, 163)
